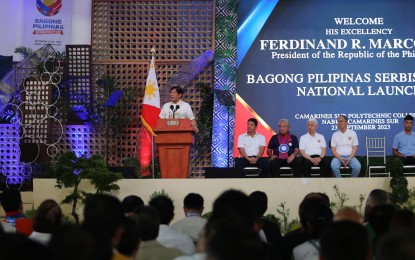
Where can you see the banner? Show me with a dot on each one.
(47, 22)
(322, 58)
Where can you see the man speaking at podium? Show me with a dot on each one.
(177, 108)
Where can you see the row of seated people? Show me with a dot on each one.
(284, 149)
(236, 229)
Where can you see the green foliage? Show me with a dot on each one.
(133, 162)
(23, 51)
(112, 119)
(70, 170)
(204, 121)
(158, 194)
(394, 166)
(400, 192)
(207, 215)
(341, 196)
(410, 203)
(283, 219)
(360, 208)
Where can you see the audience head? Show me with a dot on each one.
(103, 218)
(148, 223)
(165, 207)
(380, 218)
(130, 239)
(398, 244)
(403, 218)
(227, 239)
(11, 200)
(234, 205)
(259, 201)
(344, 240)
(348, 214)
(314, 216)
(72, 242)
(319, 195)
(48, 217)
(19, 247)
(376, 197)
(193, 202)
(132, 204)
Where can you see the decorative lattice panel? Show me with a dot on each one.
(79, 73)
(124, 33)
(81, 139)
(126, 30)
(10, 166)
(36, 98)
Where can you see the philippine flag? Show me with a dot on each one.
(149, 114)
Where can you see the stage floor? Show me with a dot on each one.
(288, 190)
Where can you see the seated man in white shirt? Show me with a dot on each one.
(313, 151)
(169, 237)
(344, 144)
(251, 146)
(193, 223)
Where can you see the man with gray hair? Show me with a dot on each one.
(344, 144)
(283, 150)
(313, 151)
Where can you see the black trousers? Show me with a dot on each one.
(262, 163)
(306, 165)
(277, 163)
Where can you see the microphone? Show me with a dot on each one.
(172, 109)
(177, 107)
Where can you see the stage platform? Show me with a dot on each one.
(288, 190)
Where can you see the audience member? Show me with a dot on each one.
(348, 214)
(403, 145)
(15, 221)
(300, 235)
(403, 218)
(103, 218)
(46, 221)
(397, 244)
(251, 146)
(169, 237)
(283, 150)
(376, 197)
(129, 242)
(314, 216)
(235, 219)
(19, 247)
(193, 222)
(345, 240)
(272, 231)
(313, 151)
(150, 248)
(344, 144)
(71, 242)
(379, 221)
(131, 205)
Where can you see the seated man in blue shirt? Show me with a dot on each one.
(404, 143)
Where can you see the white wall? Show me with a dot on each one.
(11, 19)
(288, 190)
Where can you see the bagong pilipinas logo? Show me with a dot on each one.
(49, 7)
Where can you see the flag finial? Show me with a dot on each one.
(153, 51)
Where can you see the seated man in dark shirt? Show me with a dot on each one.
(283, 150)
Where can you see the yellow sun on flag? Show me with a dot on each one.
(151, 89)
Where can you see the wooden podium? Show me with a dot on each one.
(174, 138)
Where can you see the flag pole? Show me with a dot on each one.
(152, 136)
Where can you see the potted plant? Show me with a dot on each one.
(70, 170)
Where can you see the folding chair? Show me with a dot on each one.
(376, 148)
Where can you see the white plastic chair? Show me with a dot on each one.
(376, 148)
